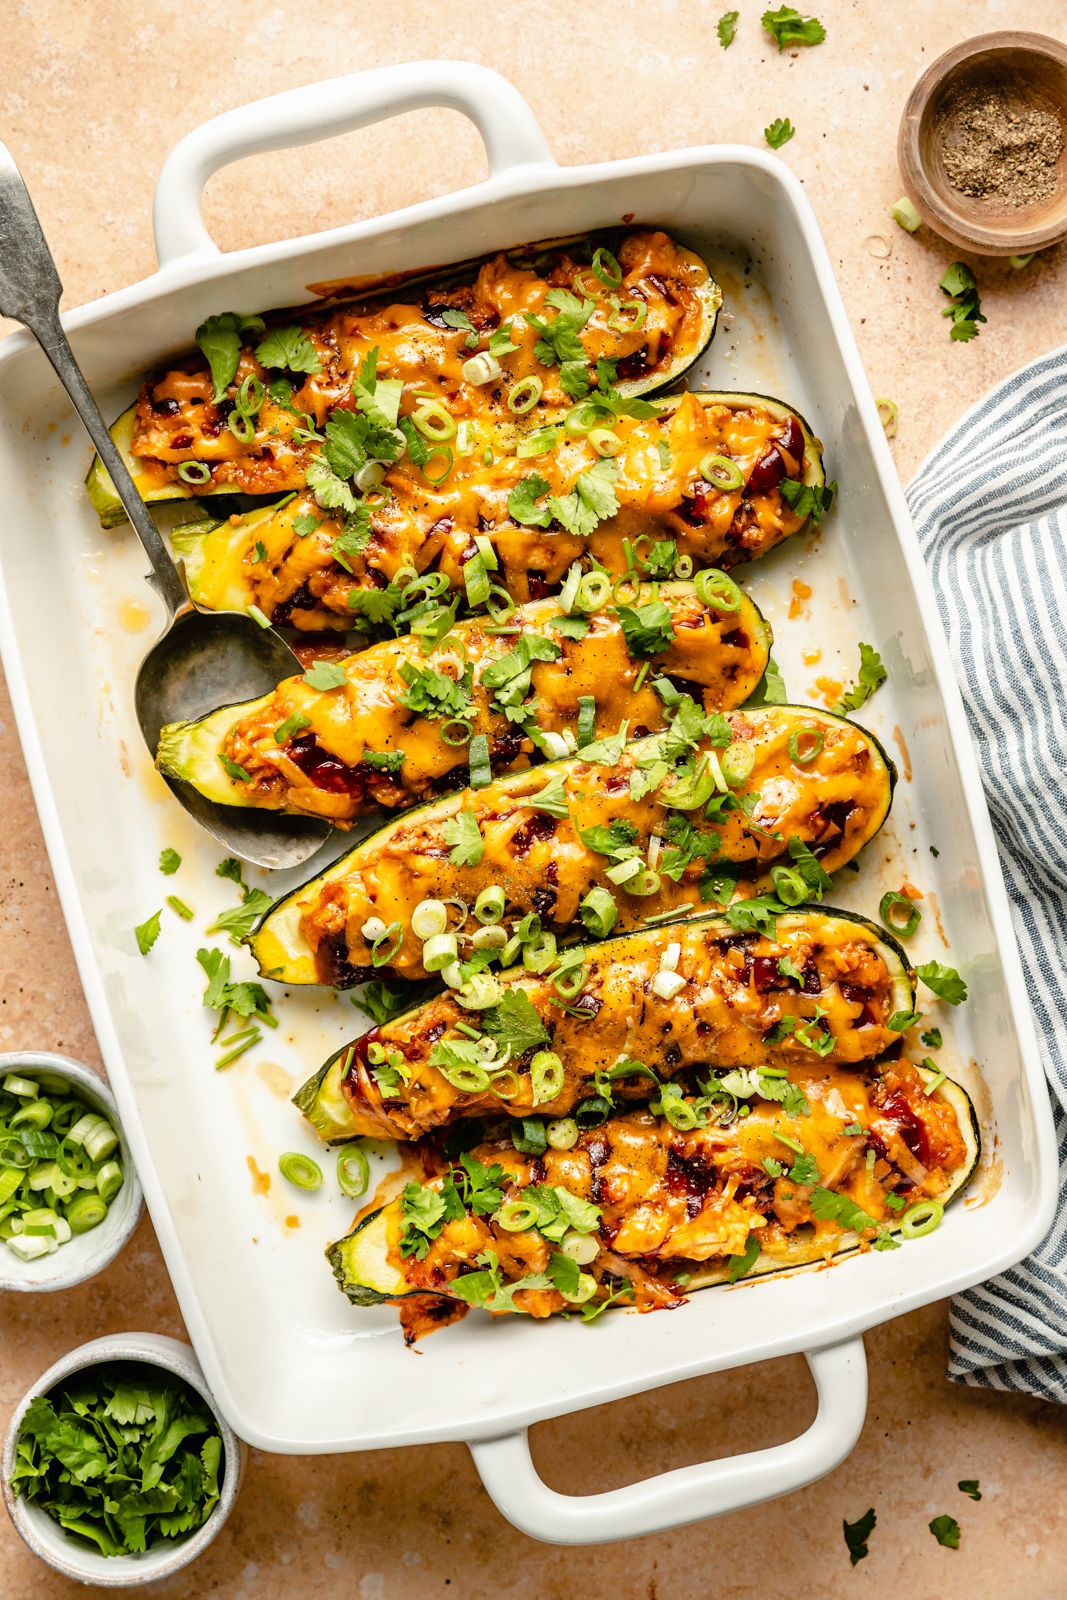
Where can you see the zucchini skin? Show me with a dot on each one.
(388, 873)
(160, 481)
(723, 652)
(647, 1230)
(726, 1016)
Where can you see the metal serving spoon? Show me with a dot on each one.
(203, 659)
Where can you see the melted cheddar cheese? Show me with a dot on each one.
(834, 803)
(724, 653)
(726, 1015)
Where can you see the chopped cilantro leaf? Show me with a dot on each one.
(326, 675)
(932, 1039)
(148, 932)
(805, 1171)
(770, 691)
(170, 861)
(606, 752)
(970, 1486)
(779, 133)
(559, 341)
(726, 27)
(755, 916)
(807, 500)
(305, 524)
(378, 606)
(592, 499)
(739, 1265)
(292, 724)
(829, 1206)
(570, 627)
(463, 833)
(787, 28)
(647, 629)
(872, 675)
(522, 502)
(815, 876)
(384, 760)
(513, 1021)
(574, 379)
(434, 694)
(331, 491)
(945, 982)
(289, 348)
(238, 774)
(857, 1533)
(220, 340)
(946, 1530)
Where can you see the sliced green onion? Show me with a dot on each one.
(353, 1171)
(594, 591)
(538, 443)
(257, 616)
(921, 1218)
(300, 1170)
(887, 416)
(492, 938)
(466, 439)
(466, 1077)
(623, 871)
(604, 442)
(646, 883)
(892, 903)
(101, 1141)
(439, 951)
(10, 1178)
(666, 916)
(586, 720)
(529, 1136)
(540, 953)
(592, 1113)
(737, 763)
(511, 951)
(179, 906)
(25, 1088)
(429, 918)
(584, 416)
(195, 472)
(717, 590)
(487, 552)
(562, 1134)
(570, 981)
(241, 427)
(250, 396)
(37, 1114)
(599, 912)
(620, 307)
(109, 1181)
(241, 1043)
(818, 739)
(480, 369)
(489, 906)
(683, 567)
(582, 286)
(517, 1216)
(88, 1211)
(499, 604)
(434, 422)
(790, 887)
(789, 1142)
(381, 957)
(721, 472)
(525, 395)
(476, 581)
(607, 269)
(445, 453)
(481, 772)
(583, 1248)
(463, 734)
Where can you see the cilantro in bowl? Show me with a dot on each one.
(123, 1455)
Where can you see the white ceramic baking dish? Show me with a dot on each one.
(295, 1368)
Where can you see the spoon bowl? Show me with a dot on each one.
(202, 660)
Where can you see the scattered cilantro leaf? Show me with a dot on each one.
(434, 694)
(231, 868)
(970, 1486)
(514, 1021)
(946, 1530)
(805, 1171)
(170, 861)
(872, 675)
(148, 932)
(770, 691)
(857, 1533)
(647, 629)
(788, 969)
(829, 1206)
(384, 760)
(330, 490)
(787, 28)
(570, 627)
(945, 982)
(965, 308)
(220, 340)
(931, 1039)
(240, 921)
(726, 27)
(522, 502)
(779, 133)
(289, 348)
(755, 916)
(462, 832)
(238, 774)
(574, 379)
(326, 675)
(739, 1265)
(305, 524)
(606, 752)
(903, 1019)
(808, 500)
(773, 1168)
(559, 341)
(815, 876)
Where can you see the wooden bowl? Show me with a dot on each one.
(1032, 71)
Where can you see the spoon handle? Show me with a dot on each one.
(29, 293)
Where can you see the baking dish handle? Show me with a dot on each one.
(691, 1493)
(509, 131)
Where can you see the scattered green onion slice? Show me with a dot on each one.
(539, 953)
(499, 604)
(790, 887)
(489, 906)
(25, 1088)
(717, 590)
(353, 1171)
(594, 591)
(379, 955)
(570, 981)
(737, 763)
(581, 284)
(251, 396)
(604, 442)
(445, 453)
(480, 770)
(546, 1076)
(563, 1133)
(195, 472)
(241, 427)
(599, 912)
(468, 1079)
(584, 416)
(721, 472)
(619, 308)
(887, 416)
(37, 1114)
(525, 394)
(435, 422)
(683, 567)
(647, 882)
(461, 736)
(888, 907)
(921, 1218)
(793, 745)
(109, 1181)
(517, 1216)
(607, 269)
(429, 918)
(300, 1170)
(439, 951)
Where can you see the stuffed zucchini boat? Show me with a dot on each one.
(628, 310)
(602, 840)
(646, 1207)
(797, 988)
(710, 479)
(394, 725)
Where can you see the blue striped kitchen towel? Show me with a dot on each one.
(990, 508)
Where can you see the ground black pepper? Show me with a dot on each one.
(995, 150)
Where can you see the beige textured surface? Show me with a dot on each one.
(91, 98)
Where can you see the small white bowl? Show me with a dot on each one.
(46, 1538)
(87, 1253)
